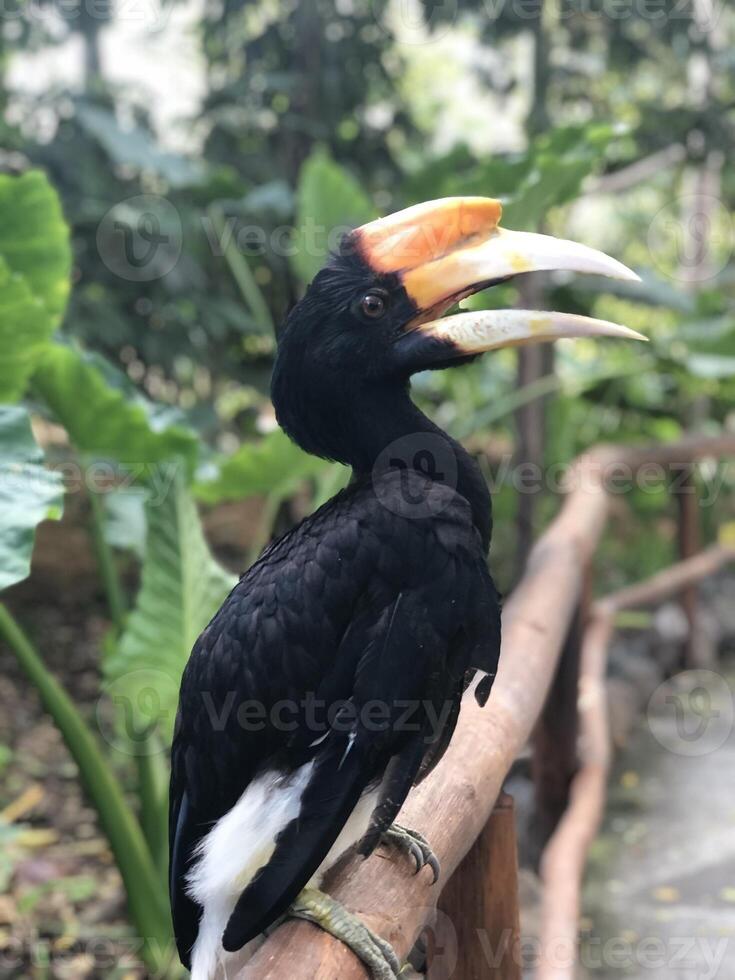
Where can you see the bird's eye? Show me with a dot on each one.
(373, 305)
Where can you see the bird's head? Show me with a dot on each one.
(373, 316)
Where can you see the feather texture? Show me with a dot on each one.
(339, 657)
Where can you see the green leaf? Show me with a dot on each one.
(29, 494)
(35, 261)
(329, 201)
(124, 513)
(34, 238)
(101, 419)
(182, 587)
(559, 162)
(25, 327)
(712, 336)
(550, 172)
(274, 466)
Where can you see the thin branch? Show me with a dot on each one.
(670, 581)
(636, 173)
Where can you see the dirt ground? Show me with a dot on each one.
(62, 907)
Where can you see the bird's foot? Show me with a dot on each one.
(327, 913)
(414, 844)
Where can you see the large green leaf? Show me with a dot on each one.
(34, 238)
(25, 327)
(182, 587)
(273, 466)
(103, 417)
(29, 493)
(550, 172)
(559, 162)
(35, 261)
(329, 200)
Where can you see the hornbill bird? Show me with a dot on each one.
(330, 680)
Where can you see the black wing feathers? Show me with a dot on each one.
(348, 760)
(363, 601)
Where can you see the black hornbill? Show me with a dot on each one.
(330, 680)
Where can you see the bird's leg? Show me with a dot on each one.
(327, 913)
(414, 844)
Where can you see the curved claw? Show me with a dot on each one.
(416, 846)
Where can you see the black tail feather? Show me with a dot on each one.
(302, 845)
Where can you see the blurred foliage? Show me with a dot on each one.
(144, 325)
(181, 588)
(35, 261)
(29, 494)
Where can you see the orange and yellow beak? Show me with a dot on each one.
(447, 249)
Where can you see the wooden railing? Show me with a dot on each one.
(459, 808)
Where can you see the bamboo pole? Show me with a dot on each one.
(453, 804)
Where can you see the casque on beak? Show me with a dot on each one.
(445, 250)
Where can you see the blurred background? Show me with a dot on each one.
(197, 161)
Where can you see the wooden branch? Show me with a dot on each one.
(554, 758)
(452, 806)
(563, 861)
(478, 937)
(636, 173)
(669, 582)
(689, 543)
